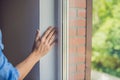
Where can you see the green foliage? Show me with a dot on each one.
(106, 36)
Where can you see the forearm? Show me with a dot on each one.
(41, 48)
(25, 66)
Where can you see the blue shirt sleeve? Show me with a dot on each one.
(7, 70)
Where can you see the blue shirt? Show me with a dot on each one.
(7, 70)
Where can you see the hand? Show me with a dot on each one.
(43, 44)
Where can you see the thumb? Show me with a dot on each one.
(37, 35)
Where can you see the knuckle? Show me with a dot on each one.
(46, 45)
(43, 40)
(46, 32)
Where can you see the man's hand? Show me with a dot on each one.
(43, 44)
(41, 47)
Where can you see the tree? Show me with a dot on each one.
(106, 36)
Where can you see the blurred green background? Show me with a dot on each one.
(106, 36)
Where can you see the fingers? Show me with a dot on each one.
(51, 35)
(52, 44)
(46, 42)
(52, 39)
(47, 32)
(37, 35)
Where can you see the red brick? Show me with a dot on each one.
(76, 41)
(81, 31)
(80, 41)
(72, 32)
(80, 76)
(73, 76)
(72, 50)
(72, 68)
(73, 41)
(80, 67)
(82, 13)
(78, 3)
(77, 76)
(77, 34)
(72, 60)
(76, 59)
(72, 12)
(80, 59)
(81, 50)
(77, 22)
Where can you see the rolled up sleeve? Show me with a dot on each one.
(7, 70)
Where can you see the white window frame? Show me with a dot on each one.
(64, 44)
(65, 40)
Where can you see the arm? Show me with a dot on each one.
(41, 48)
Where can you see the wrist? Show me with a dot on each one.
(36, 55)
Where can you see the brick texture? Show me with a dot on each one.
(77, 3)
(77, 22)
(77, 39)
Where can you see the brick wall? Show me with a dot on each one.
(78, 39)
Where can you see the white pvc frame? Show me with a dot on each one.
(65, 45)
(63, 23)
(63, 13)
